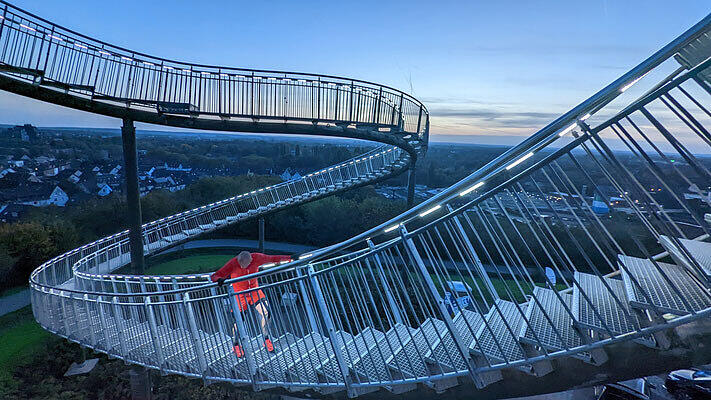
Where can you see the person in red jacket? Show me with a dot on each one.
(247, 263)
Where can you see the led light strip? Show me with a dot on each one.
(471, 189)
(519, 161)
(431, 210)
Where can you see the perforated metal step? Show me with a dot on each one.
(614, 315)
(551, 325)
(292, 358)
(700, 251)
(499, 340)
(659, 290)
(409, 358)
(374, 367)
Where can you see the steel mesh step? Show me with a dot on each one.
(614, 315)
(497, 342)
(650, 288)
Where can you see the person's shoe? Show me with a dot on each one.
(269, 345)
(238, 351)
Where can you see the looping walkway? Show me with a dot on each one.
(456, 295)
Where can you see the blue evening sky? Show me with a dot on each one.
(496, 68)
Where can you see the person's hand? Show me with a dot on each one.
(221, 281)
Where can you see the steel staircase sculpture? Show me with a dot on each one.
(374, 315)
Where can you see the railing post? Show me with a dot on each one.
(376, 116)
(64, 314)
(439, 302)
(4, 18)
(330, 329)
(397, 313)
(218, 310)
(307, 302)
(154, 333)
(104, 328)
(92, 335)
(197, 340)
(399, 114)
(479, 266)
(118, 316)
(73, 305)
(242, 336)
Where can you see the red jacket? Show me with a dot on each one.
(232, 269)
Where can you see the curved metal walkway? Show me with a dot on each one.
(455, 296)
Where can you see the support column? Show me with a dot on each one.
(261, 234)
(140, 381)
(133, 197)
(411, 185)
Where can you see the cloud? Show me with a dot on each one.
(493, 116)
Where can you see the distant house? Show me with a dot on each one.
(50, 172)
(178, 168)
(43, 159)
(104, 190)
(34, 179)
(286, 175)
(75, 177)
(96, 169)
(41, 196)
(6, 171)
(115, 170)
(168, 181)
(16, 163)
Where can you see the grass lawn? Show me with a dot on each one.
(20, 337)
(190, 265)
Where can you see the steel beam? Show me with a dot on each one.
(411, 184)
(133, 197)
(261, 235)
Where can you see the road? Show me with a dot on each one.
(14, 302)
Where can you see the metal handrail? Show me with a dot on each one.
(385, 304)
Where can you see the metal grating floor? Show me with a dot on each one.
(372, 366)
(659, 289)
(556, 334)
(508, 348)
(700, 251)
(618, 320)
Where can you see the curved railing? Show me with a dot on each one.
(560, 249)
(116, 81)
(366, 168)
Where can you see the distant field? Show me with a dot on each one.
(190, 265)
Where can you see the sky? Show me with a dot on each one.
(488, 71)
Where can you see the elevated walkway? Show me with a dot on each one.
(551, 293)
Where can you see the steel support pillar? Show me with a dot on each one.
(261, 235)
(133, 197)
(411, 185)
(140, 381)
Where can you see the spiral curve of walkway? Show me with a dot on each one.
(516, 280)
